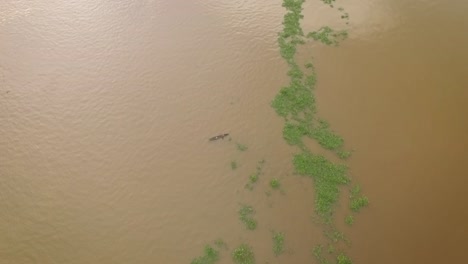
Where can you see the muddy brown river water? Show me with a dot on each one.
(106, 108)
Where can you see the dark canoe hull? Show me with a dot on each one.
(222, 136)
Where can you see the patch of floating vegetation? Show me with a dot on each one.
(253, 178)
(327, 178)
(241, 147)
(349, 220)
(278, 243)
(220, 243)
(243, 255)
(210, 256)
(296, 103)
(343, 154)
(328, 36)
(343, 259)
(234, 165)
(357, 201)
(326, 138)
(335, 236)
(317, 251)
(331, 249)
(246, 214)
(293, 133)
(275, 183)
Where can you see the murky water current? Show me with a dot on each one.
(106, 108)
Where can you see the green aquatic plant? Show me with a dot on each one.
(343, 259)
(328, 36)
(357, 201)
(275, 183)
(293, 99)
(334, 235)
(220, 243)
(293, 133)
(210, 256)
(243, 255)
(250, 223)
(317, 251)
(310, 82)
(241, 147)
(287, 49)
(278, 243)
(327, 178)
(253, 178)
(296, 103)
(349, 220)
(325, 137)
(355, 191)
(342, 154)
(331, 249)
(233, 165)
(246, 214)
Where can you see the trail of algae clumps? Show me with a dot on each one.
(210, 256)
(296, 103)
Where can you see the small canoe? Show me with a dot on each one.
(218, 137)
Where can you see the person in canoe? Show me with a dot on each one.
(222, 136)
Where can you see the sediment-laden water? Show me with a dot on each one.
(106, 109)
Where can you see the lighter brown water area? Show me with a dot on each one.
(106, 108)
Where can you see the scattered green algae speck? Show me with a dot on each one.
(243, 255)
(278, 243)
(210, 256)
(246, 214)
